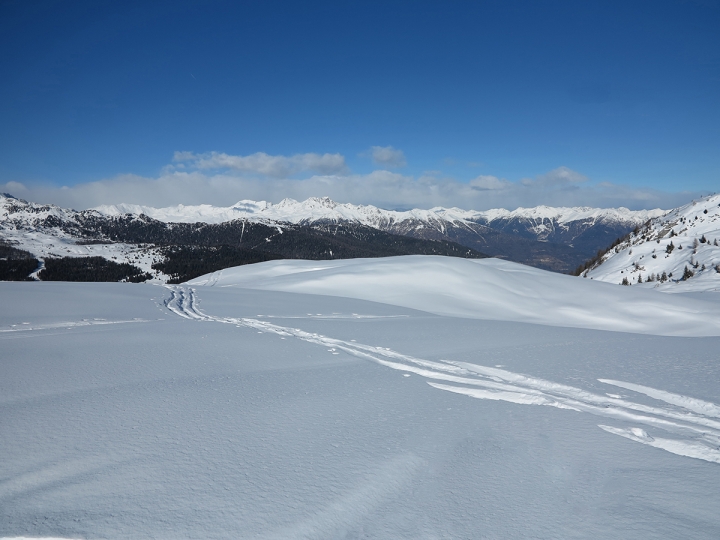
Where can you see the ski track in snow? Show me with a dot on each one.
(695, 423)
(25, 327)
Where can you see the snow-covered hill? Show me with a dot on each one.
(480, 289)
(678, 252)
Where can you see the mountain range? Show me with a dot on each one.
(177, 243)
(555, 239)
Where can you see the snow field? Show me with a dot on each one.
(482, 289)
(698, 420)
(228, 412)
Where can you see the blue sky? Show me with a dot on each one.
(595, 103)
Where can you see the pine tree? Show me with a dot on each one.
(670, 247)
(640, 278)
(687, 274)
(625, 281)
(663, 278)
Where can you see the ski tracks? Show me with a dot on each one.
(694, 423)
(26, 326)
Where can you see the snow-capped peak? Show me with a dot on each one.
(325, 209)
(568, 214)
(14, 210)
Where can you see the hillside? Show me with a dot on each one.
(678, 252)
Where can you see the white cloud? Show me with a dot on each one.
(562, 176)
(487, 182)
(265, 164)
(14, 187)
(198, 184)
(388, 156)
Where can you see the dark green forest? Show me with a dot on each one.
(90, 269)
(16, 264)
(187, 262)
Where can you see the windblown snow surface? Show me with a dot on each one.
(412, 397)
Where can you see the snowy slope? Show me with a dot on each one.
(483, 289)
(137, 411)
(694, 232)
(45, 243)
(50, 231)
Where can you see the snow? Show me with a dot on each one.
(646, 254)
(569, 214)
(322, 208)
(19, 227)
(482, 289)
(204, 213)
(267, 402)
(55, 243)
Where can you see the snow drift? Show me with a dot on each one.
(482, 289)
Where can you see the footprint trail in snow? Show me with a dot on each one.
(694, 424)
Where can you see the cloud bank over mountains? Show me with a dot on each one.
(388, 156)
(222, 179)
(262, 163)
